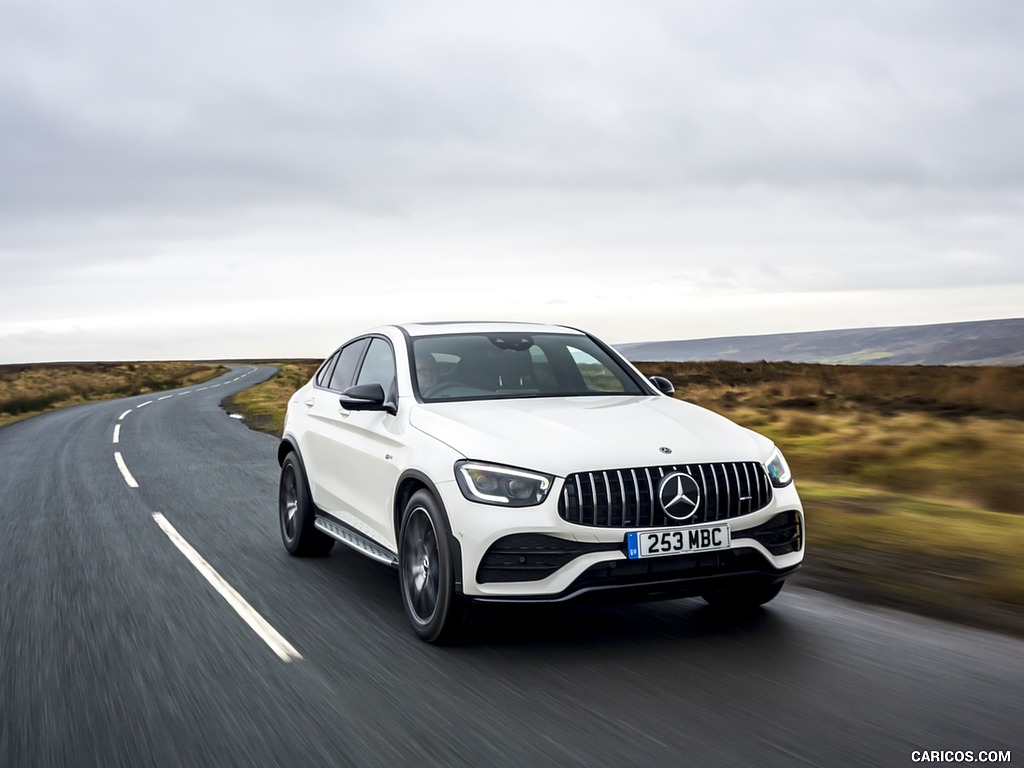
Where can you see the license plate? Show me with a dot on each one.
(675, 541)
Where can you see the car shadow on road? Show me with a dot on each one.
(645, 623)
(547, 627)
(551, 625)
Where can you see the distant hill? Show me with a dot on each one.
(986, 342)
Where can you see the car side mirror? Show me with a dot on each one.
(365, 397)
(663, 385)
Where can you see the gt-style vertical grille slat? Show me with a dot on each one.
(593, 501)
(650, 499)
(636, 492)
(715, 477)
(729, 486)
(746, 497)
(622, 497)
(607, 495)
(628, 497)
(707, 489)
(582, 505)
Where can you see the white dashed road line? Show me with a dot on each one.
(117, 433)
(259, 625)
(124, 470)
(285, 651)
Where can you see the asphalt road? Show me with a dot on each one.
(117, 650)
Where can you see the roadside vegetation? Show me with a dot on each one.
(29, 390)
(263, 406)
(911, 476)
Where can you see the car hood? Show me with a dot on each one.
(564, 435)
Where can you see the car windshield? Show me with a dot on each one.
(477, 366)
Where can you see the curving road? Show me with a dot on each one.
(151, 617)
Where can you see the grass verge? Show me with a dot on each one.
(263, 405)
(931, 556)
(29, 390)
(910, 476)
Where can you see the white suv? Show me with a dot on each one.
(498, 462)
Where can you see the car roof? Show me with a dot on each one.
(480, 326)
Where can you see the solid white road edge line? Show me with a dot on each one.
(259, 625)
(119, 418)
(117, 433)
(124, 470)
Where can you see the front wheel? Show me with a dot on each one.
(743, 599)
(427, 573)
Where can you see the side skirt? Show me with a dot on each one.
(357, 541)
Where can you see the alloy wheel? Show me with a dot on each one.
(421, 565)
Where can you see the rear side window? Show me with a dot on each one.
(345, 369)
(324, 374)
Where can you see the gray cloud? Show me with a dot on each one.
(741, 148)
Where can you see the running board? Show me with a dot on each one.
(356, 541)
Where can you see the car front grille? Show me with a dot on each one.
(628, 498)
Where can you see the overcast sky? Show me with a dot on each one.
(263, 179)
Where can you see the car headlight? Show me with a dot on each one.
(778, 470)
(491, 484)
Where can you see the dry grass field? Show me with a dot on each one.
(911, 476)
(263, 406)
(28, 390)
(945, 432)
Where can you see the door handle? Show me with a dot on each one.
(311, 402)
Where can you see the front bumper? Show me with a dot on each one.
(532, 554)
(663, 578)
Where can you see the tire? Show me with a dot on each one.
(296, 512)
(426, 572)
(743, 599)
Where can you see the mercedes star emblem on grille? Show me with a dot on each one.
(679, 495)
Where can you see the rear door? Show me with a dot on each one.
(325, 419)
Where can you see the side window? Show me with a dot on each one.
(324, 374)
(379, 367)
(345, 369)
